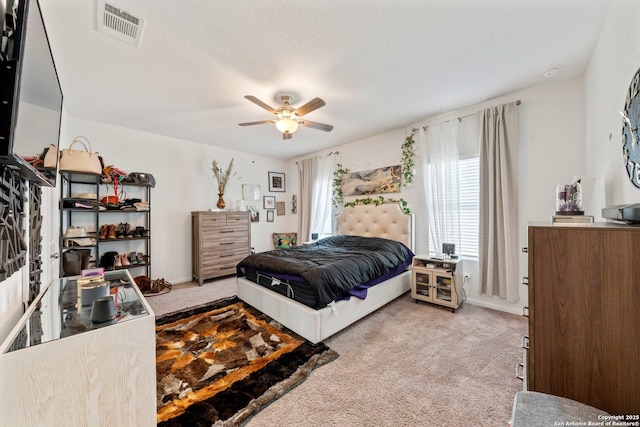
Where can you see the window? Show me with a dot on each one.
(469, 209)
(469, 183)
(322, 206)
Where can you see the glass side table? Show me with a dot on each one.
(59, 313)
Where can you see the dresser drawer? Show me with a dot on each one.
(225, 245)
(214, 222)
(238, 218)
(223, 231)
(223, 262)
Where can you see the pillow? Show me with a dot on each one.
(284, 240)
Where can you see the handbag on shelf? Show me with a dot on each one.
(80, 160)
(141, 178)
(51, 157)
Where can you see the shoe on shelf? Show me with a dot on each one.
(75, 232)
(108, 260)
(111, 231)
(84, 241)
(128, 231)
(103, 232)
(142, 258)
(133, 258)
(120, 231)
(124, 260)
(141, 206)
(142, 232)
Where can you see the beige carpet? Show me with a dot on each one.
(190, 294)
(405, 365)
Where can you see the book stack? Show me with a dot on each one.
(572, 220)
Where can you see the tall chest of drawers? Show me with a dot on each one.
(220, 241)
(584, 315)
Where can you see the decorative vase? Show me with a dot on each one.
(221, 204)
(569, 199)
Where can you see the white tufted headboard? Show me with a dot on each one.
(385, 220)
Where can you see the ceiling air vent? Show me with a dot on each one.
(118, 23)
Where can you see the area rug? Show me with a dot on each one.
(221, 363)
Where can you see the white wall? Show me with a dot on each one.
(184, 183)
(613, 63)
(551, 152)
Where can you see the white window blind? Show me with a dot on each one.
(468, 181)
(469, 197)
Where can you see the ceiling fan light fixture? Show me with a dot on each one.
(287, 118)
(287, 125)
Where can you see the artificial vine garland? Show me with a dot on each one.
(338, 174)
(408, 155)
(379, 201)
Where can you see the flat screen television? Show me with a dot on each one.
(30, 92)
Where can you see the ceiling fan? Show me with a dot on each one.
(288, 118)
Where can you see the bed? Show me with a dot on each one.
(386, 221)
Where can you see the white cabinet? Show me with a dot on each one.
(437, 281)
(60, 369)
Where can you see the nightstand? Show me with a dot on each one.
(437, 280)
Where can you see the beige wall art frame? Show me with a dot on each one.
(373, 181)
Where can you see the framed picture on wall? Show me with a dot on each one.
(270, 215)
(255, 214)
(276, 182)
(250, 192)
(269, 202)
(280, 207)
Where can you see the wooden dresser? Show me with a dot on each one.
(584, 314)
(221, 239)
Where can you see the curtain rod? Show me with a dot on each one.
(328, 154)
(518, 102)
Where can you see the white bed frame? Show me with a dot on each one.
(386, 220)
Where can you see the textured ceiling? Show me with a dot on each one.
(379, 65)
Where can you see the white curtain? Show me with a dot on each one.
(498, 255)
(314, 203)
(439, 152)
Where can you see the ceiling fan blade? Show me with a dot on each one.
(261, 122)
(260, 104)
(314, 104)
(316, 125)
(287, 135)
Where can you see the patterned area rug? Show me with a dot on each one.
(220, 363)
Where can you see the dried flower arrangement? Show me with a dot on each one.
(223, 177)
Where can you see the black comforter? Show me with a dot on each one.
(334, 265)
